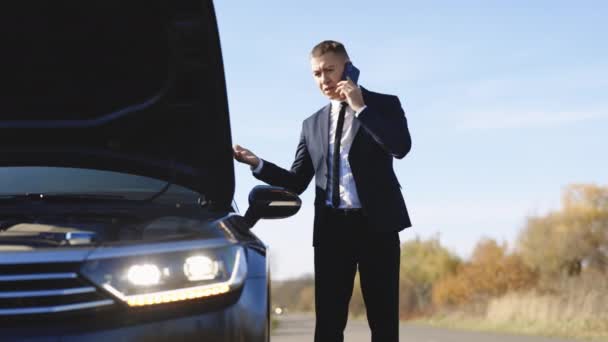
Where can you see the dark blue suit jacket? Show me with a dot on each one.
(380, 134)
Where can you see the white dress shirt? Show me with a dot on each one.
(349, 198)
(348, 189)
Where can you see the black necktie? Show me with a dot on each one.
(335, 170)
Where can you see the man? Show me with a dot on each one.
(349, 146)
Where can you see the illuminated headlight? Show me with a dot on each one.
(200, 267)
(169, 277)
(144, 275)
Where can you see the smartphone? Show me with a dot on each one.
(350, 71)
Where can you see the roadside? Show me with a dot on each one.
(552, 281)
(297, 327)
(570, 330)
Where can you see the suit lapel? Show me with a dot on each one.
(355, 128)
(356, 123)
(323, 124)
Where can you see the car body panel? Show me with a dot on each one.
(106, 85)
(135, 87)
(243, 320)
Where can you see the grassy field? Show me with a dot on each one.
(574, 330)
(574, 307)
(577, 314)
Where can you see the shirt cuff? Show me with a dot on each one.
(258, 168)
(359, 112)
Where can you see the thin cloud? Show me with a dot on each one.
(525, 119)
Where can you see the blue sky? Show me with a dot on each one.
(506, 103)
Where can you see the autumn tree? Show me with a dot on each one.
(491, 272)
(564, 240)
(422, 264)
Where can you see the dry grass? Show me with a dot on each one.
(576, 304)
(575, 307)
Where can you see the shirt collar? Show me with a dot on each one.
(335, 108)
(335, 104)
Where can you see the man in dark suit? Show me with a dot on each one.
(349, 146)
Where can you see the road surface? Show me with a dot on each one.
(300, 328)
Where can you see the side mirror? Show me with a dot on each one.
(271, 202)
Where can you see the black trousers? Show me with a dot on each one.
(347, 243)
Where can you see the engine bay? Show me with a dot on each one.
(44, 232)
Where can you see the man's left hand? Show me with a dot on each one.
(351, 93)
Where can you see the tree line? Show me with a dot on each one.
(569, 244)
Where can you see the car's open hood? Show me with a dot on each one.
(133, 86)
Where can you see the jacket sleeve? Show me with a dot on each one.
(388, 126)
(297, 178)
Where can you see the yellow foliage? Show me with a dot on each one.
(563, 240)
(492, 272)
(423, 262)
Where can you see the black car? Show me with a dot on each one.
(117, 219)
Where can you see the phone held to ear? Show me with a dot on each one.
(351, 72)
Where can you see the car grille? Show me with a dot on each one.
(33, 289)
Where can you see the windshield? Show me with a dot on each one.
(61, 180)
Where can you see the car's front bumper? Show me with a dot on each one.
(240, 316)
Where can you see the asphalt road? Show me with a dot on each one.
(300, 328)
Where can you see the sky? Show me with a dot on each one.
(506, 102)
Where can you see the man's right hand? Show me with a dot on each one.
(245, 156)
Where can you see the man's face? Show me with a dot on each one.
(327, 72)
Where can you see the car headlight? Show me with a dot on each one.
(149, 279)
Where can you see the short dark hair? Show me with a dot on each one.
(329, 46)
